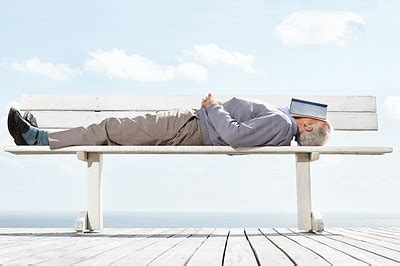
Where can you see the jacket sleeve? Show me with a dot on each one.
(240, 109)
(253, 132)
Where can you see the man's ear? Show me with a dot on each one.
(308, 127)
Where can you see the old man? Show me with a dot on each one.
(236, 122)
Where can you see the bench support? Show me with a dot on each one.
(94, 193)
(306, 219)
(81, 223)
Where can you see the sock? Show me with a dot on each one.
(30, 136)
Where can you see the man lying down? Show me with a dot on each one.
(236, 122)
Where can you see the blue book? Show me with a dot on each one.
(302, 108)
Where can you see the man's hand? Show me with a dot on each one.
(208, 100)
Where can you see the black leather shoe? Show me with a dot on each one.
(16, 126)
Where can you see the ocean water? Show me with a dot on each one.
(195, 219)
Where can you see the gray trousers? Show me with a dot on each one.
(172, 127)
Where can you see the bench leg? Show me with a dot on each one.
(94, 191)
(307, 219)
(303, 192)
(317, 222)
(81, 223)
(92, 219)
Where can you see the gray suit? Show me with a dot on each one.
(237, 122)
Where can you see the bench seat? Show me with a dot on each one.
(26, 150)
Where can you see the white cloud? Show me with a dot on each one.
(318, 27)
(119, 65)
(116, 64)
(192, 71)
(392, 106)
(211, 54)
(36, 66)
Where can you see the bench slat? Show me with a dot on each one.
(163, 102)
(19, 150)
(69, 119)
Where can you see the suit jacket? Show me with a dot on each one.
(244, 123)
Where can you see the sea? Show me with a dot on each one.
(194, 219)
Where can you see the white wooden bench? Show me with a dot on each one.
(56, 112)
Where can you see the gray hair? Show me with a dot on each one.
(317, 137)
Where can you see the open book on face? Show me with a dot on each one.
(302, 108)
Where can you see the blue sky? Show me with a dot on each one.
(181, 47)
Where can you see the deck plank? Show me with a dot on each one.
(149, 253)
(200, 246)
(38, 242)
(238, 250)
(83, 248)
(137, 243)
(297, 253)
(353, 251)
(367, 246)
(267, 252)
(369, 238)
(20, 236)
(387, 231)
(42, 250)
(36, 247)
(181, 253)
(330, 254)
(212, 250)
(373, 232)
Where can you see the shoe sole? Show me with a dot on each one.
(18, 139)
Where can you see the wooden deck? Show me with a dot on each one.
(201, 246)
